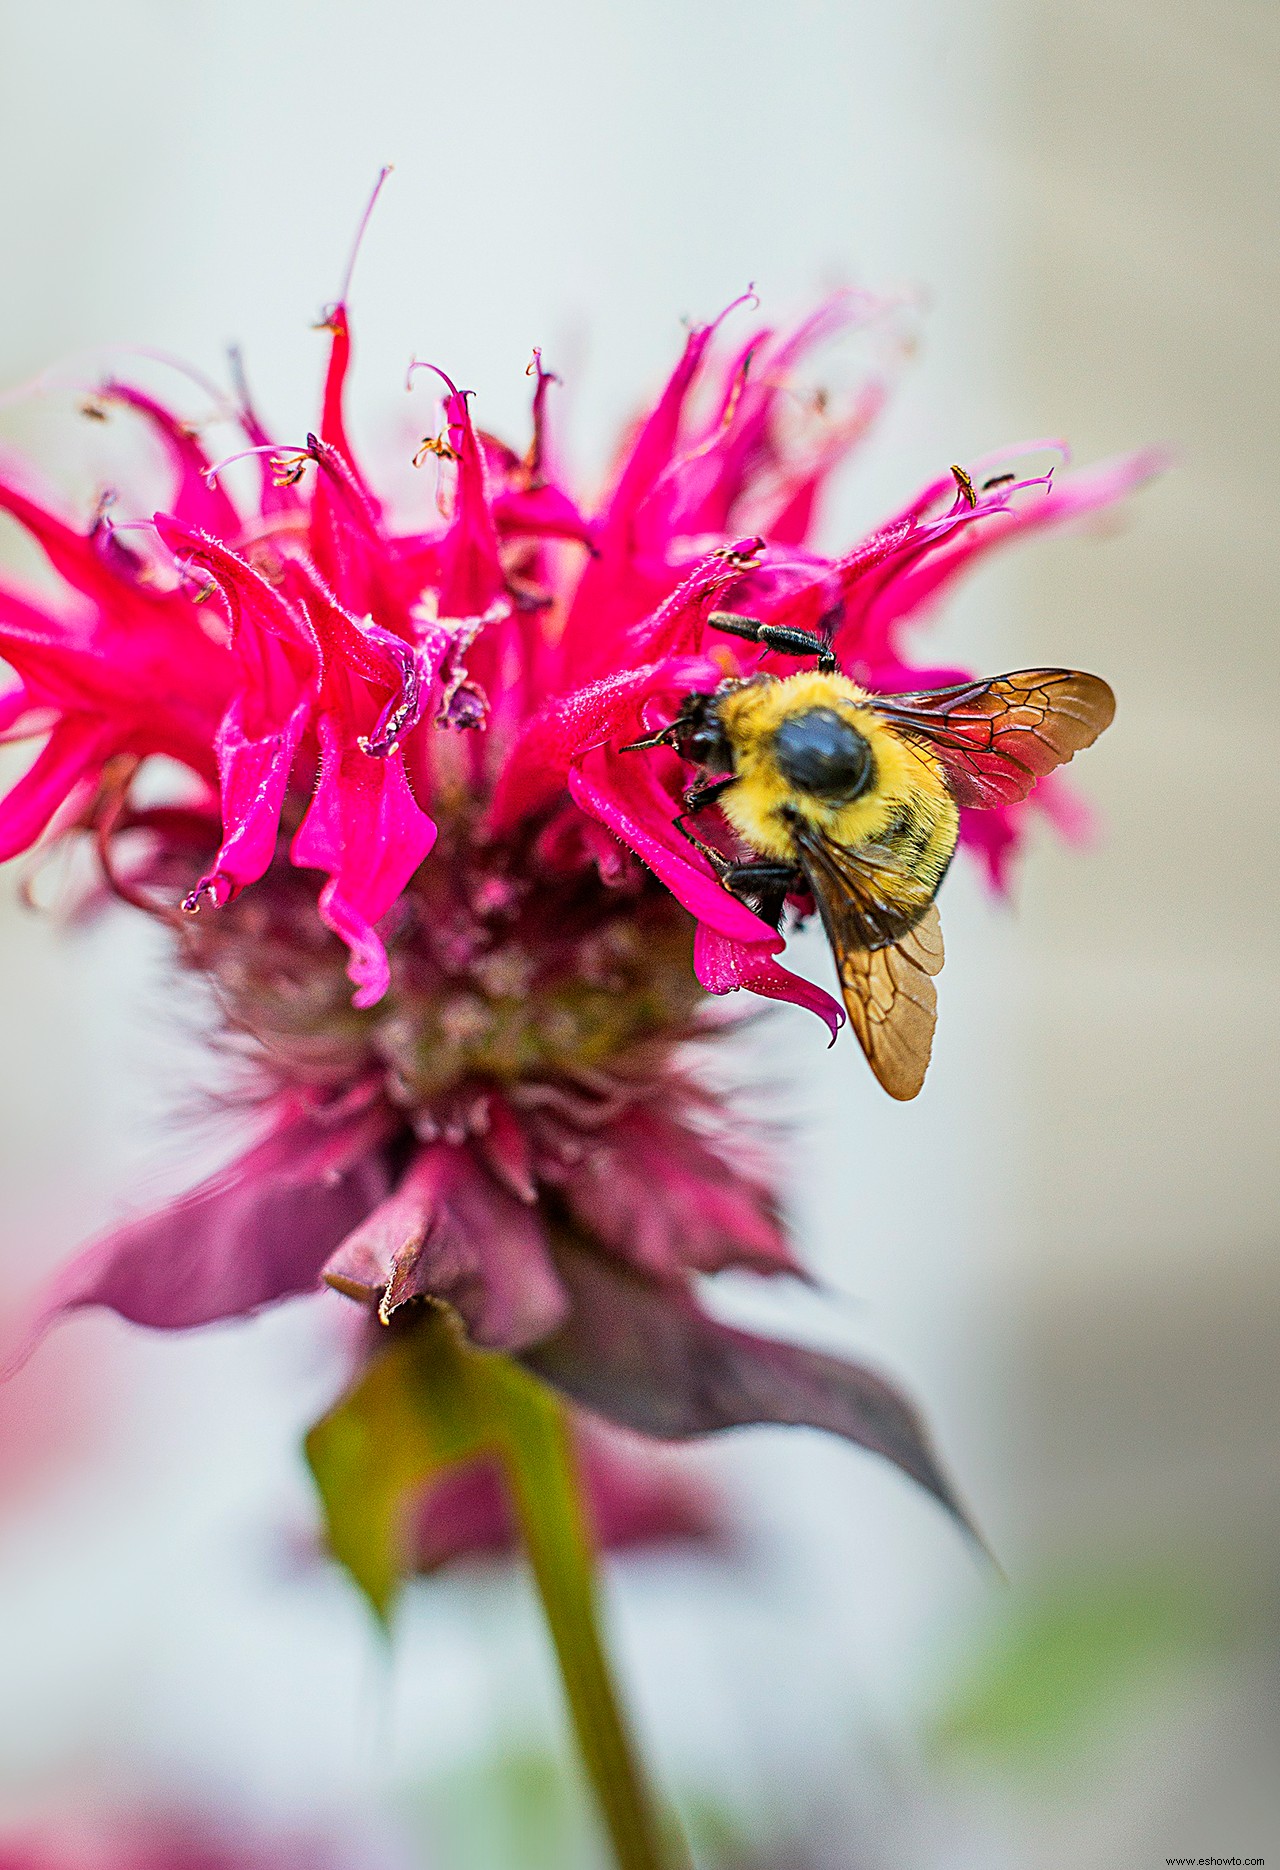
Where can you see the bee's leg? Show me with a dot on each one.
(752, 878)
(776, 636)
(764, 883)
(721, 864)
(763, 886)
(706, 791)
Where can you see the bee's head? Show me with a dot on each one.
(699, 735)
(819, 752)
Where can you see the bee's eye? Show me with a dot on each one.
(822, 753)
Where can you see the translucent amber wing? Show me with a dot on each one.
(996, 738)
(893, 1004)
(867, 897)
(887, 941)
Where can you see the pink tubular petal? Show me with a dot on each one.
(259, 735)
(570, 842)
(52, 650)
(126, 650)
(723, 965)
(620, 790)
(676, 623)
(362, 648)
(363, 828)
(544, 512)
(257, 1232)
(127, 653)
(333, 427)
(15, 705)
(253, 777)
(738, 447)
(994, 838)
(71, 760)
(570, 725)
(656, 441)
(347, 540)
(57, 655)
(274, 496)
(789, 516)
(603, 590)
(71, 553)
(470, 572)
(450, 1232)
(346, 641)
(1071, 816)
(194, 502)
(933, 551)
(255, 609)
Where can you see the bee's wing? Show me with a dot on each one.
(886, 956)
(996, 738)
(893, 1005)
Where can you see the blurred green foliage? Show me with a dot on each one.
(523, 1807)
(1072, 1659)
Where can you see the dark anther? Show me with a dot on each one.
(964, 483)
(437, 445)
(467, 708)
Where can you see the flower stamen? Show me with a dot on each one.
(437, 445)
(964, 483)
(287, 464)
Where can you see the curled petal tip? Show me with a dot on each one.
(217, 890)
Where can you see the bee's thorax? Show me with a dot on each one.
(813, 747)
(821, 753)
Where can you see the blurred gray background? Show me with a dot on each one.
(1067, 1247)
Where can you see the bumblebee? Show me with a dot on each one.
(854, 798)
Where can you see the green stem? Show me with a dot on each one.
(429, 1402)
(543, 1475)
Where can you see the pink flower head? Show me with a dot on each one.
(452, 919)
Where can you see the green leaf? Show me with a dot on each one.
(1071, 1659)
(427, 1402)
(410, 1416)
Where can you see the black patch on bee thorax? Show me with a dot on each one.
(822, 754)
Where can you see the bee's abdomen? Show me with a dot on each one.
(821, 753)
(922, 838)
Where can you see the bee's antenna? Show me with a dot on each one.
(779, 637)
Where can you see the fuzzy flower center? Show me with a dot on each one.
(507, 964)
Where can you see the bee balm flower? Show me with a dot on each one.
(452, 920)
